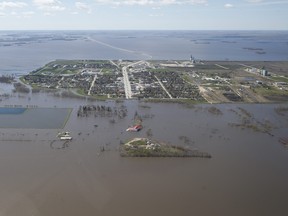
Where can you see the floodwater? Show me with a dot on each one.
(247, 174)
(24, 51)
(40, 118)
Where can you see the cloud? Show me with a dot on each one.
(254, 1)
(228, 5)
(156, 15)
(49, 5)
(266, 2)
(83, 6)
(46, 2)
(151, 2)
(11, 5)
(28, 13)
(48, 14)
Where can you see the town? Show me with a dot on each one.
(193, 80)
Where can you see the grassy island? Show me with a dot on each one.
(143, 147)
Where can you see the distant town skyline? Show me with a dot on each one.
(144, 15)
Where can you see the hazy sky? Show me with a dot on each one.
(144, 14)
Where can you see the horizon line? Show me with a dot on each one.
(144, 30)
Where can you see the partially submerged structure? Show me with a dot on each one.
(64, 136)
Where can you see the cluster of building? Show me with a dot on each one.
(178, 87)
(262, 71)
(230, 82)
(145, 85)
(104, 78)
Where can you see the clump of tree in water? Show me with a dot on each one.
(185, 139)
(102, 111)
(19, 87)
(6, 79)
(281, 110)
(248, 121)
(137, 118)
(215, 111)
(149, 133)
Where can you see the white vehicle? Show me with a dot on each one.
(64, 136)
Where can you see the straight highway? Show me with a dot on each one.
(127, 85)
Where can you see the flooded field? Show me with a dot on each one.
(40, 118)
(247, 174)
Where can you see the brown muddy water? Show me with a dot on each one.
(247, 174)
